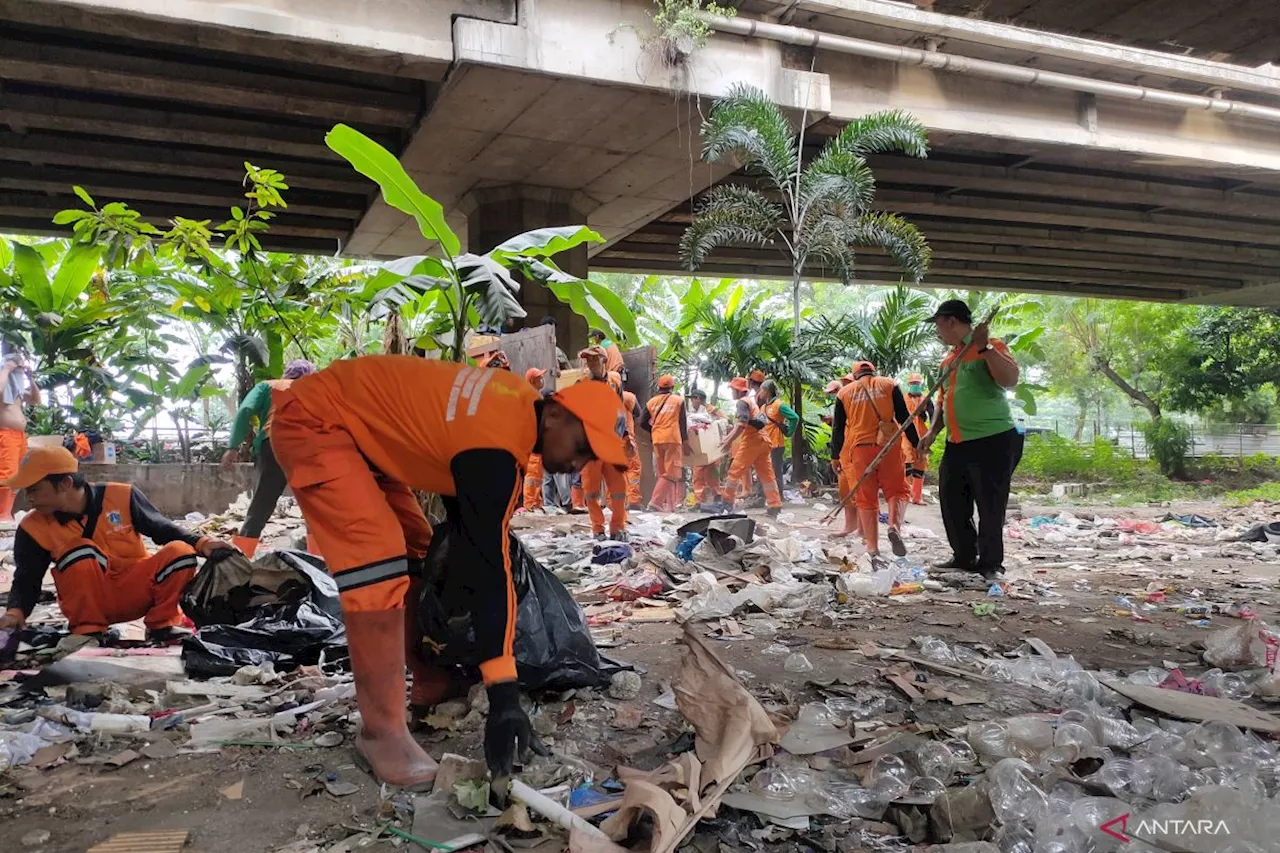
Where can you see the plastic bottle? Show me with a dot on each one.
(93, 721)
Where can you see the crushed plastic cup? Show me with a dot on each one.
(775, 650)
(1228, 685)
(847, 708)
(798, 662)
(962, 754)
(1152, 676)
(1015, 838)
(773, 783)
(936, 650)
(1116, 775)
(843, 798)
(890, 777)
(989, 739)
(1015, 792)
(926, 787)
(1090, 814)
(935, 760)
(819, 714)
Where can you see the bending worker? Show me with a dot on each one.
(597, 475)
(664, 417)
(868, 412)
(270, 483)
(92, 535)
(750, 449)
(354, 439)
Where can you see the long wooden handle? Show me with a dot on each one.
(897, 436)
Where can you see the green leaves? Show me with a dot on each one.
(29, 267)
(74, 273)
(545, 242)
(601, 307)
(398, 189)
(747, 127)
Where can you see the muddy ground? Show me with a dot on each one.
(81, 805)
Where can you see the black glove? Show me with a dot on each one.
(756, 423)
(508, 735)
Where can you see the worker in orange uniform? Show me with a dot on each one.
(92, 535)
(755, 380)
(19, 387)
(780, 423)
(631, 405)
(750, 449)
(613, 354)
(916, 463)
(596, 474)
(868, 412)
(706, 478)
(664, 417)
(354, 440)
(533, 471)
(844, 484)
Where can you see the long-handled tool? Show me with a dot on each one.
(897, 436)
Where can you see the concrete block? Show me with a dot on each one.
(1069, 490)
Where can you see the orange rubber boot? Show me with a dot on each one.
(247, 544)
(376, 641)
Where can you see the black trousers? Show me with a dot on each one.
(270, 486)
(979, 474)
(776, 456)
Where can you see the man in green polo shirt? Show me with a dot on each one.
(983, 446)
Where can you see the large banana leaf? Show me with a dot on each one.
(493, 287)
(398, 189)
(74, 274)
(545, 242)
(30, 270)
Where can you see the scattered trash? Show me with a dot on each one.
(624, 685)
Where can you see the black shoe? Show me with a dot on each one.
(599, 537)
(168, 636)
(990, 574)
(773, 511)
(620, 536)
(955, 565)
(895, 542)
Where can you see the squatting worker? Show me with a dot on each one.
(868, 413)
(597, 475)
(750, 449)
(983, 446)
(916, 463)
(533, 471)
(354, 439)
(92, 535)
(18, 386)
(664, 417)
(270, 483)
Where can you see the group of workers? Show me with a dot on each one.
(355, 439)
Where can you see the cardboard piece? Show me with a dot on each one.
(157, 841)
(781, 809)
(1188, 706)
(704, 445)
(572, 376)
(802, 739)
(125, 666)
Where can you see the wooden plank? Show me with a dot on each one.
(157, 841)
(531, 347)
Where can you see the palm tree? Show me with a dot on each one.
(818, 213)
(895, 335)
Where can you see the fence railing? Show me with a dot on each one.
(1229, 440)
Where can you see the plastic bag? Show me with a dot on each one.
(282, 609)
(553, 645)
(721, 531)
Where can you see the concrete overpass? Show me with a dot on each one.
(1060, 164)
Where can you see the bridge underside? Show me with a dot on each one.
(1044, 219)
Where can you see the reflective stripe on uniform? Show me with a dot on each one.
(186, 561)
(81, 553)
(378, 572)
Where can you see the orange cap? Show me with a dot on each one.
(756, 375)
(597, 405)
(834, 386)
(593, 352)
(862, 368)
(533, 373)
(666, 381)
(738, 384)
(39, 463)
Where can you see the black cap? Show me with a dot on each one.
(699, 393)
(954, 308)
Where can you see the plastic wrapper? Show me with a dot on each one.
(553, 645)
(639, 584)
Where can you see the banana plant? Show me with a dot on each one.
(468, 290)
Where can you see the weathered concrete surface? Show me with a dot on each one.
(176, 489)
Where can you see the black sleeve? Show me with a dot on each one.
(928, 409)
(903, 416)
(837, 430)
(684, 425)
(937, 419)
(32, 562)
(148, 521)
(646, 419)
(637, 414)
(487, 485)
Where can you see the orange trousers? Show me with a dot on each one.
(668, 495)
(95, 592)
(598, 474)
(888, 477)
(533, 483)
(748, 454)
(13, 446)
(366, 526)
(706, 482)
(633, 475)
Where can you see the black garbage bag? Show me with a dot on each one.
(231, 590)
(720, 529)
(553, 644)
(282, 608)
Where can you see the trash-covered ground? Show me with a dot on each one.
(1116, 690)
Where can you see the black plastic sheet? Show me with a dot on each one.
(291, 625)
(553, 645)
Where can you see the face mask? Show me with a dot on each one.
(915, 389)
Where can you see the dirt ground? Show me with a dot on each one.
(81, 805)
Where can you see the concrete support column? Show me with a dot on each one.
(495, 214)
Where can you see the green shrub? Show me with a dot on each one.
(1269, 492)
(1168, 442)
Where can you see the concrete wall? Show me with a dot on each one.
(176, 489)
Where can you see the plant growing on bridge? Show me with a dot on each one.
(679, 28)
(463, 290)
(818, 213)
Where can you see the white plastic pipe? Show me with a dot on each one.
(982, 68)
(553, 811)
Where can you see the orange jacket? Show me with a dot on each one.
(411, 416)
(773, 423)
(868, 404)
(613, 359)
(664, 415)
(114, 533)
(629, 403)
(750, 439)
